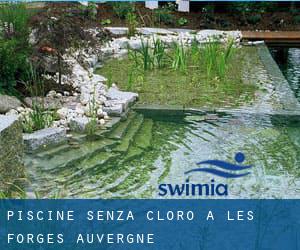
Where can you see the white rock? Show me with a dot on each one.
(79, 111)
(12, 112)
(62, 113)
(100, 113)
(102, 121)
(51, 93)
(20, 109)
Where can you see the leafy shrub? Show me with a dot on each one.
(297, 19)
(14, 45)
(182, 21)
(254, 19)
(164, 15)
(13, 64)
(106, 22)
(122, 9)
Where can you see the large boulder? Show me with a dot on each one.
(8, 102)
(48, 103)
(44, 137)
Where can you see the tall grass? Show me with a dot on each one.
(216, 58)
(147, 57)
(39, 117)
(159, 53)
(179, 58)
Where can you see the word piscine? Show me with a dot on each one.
(190, 189)
(99, 215)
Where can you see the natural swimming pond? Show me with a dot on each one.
(141, 152)
(147, 149)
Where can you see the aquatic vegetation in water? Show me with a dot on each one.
(196, 75)
(216, 58)
(179, 58)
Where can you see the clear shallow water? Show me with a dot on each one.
(288, 60)
(144, 151)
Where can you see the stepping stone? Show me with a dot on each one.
(144, 136)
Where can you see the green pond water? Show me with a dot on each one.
(288, 60)
(138, 154)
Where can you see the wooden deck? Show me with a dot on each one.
(275, 37)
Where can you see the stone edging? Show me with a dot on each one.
(285, 93)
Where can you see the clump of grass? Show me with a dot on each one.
(39, 117)
(216, 58)
(147, 57)
(180, 58)
(142, 56)
(194, 52)
(132, 23)
(92, 126)
(159, 53)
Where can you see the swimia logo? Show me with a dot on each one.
(215, 167)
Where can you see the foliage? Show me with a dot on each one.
(164, 14)
(38, 118)
(122, 9)
(182, 21)
(216, 58)
(92, 126)
(180, 57)
(89, 11)
(14, 45)
(254, 18)
(193, 87)
(92, 11)
(147, 57)
(131, 20)
(105, 22)
(159, 53)
(297, 19)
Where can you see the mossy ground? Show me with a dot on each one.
(192, 88)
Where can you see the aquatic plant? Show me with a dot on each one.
(146, 55)
(131, 21)
(216, 58)
(159, 53)
(194, 52)
(180, 57)
(92, 126)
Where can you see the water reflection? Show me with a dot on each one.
(288, 60)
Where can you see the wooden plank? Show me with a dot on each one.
(273, 36)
